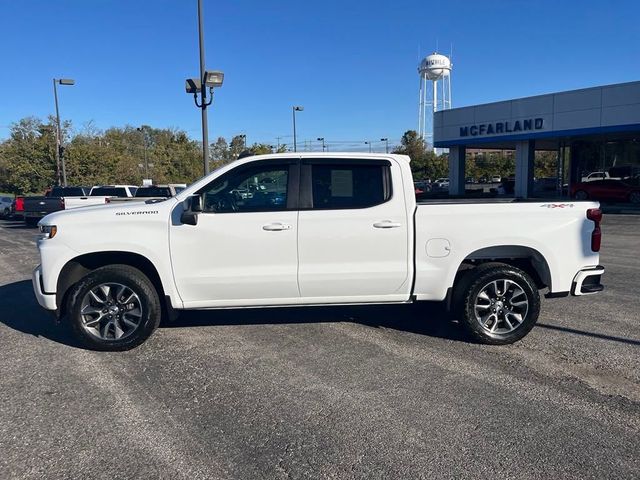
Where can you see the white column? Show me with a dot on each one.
(456, 170)
(525, 155)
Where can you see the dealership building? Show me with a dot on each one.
(592, 129)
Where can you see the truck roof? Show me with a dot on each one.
(336, 155)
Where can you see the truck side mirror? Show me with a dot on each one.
(190, 216)
(196, 203)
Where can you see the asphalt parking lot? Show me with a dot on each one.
(367, 392)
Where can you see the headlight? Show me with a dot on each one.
(48, 231)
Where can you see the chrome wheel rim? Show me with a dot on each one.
(501, 306)
(111, 311)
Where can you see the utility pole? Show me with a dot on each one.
(295, 141)
(386, 144)
(203, 93)
(59, 148)
(144, 145)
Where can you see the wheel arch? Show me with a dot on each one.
(523, 257)
(77, 268)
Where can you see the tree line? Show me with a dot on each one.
(103, 157)
(116, 155)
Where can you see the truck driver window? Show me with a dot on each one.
(260, 189)
(349, 186)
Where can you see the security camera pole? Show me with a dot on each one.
(203, 93)
(59, 149)
(199, 85)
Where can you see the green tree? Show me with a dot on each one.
(424, 163)
(28, 157)
(260, 149)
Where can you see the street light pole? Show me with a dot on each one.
(144, 145)
(55, 96)
(321, 139)
(295, 140)
(59, 151)
(386, 144)
(368, 143)
(203, 93)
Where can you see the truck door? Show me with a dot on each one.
(352, 232)
(243, 250)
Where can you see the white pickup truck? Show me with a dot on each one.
(99, 195)
(317, 229)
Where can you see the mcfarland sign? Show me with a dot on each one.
(502, 127)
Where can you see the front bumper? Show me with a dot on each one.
(587, 281)
(46, 300)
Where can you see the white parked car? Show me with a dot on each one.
(5, 206)
(596, 176)
(442, 183)
(329, 229)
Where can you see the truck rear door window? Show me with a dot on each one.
(349, 186)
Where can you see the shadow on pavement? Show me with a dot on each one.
(20, 311)
(590, 334)
(18, 225)
(424, 319)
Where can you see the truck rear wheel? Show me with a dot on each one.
(499, 303)
(113, 308)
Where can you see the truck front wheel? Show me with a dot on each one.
(113, 308)
(499, 303)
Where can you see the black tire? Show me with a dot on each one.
(31, 222)
(476, 281)
(581, 195)
(146, 296)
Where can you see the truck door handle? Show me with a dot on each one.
(387, 224)
(276, 227)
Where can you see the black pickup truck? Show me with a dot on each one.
(37, 207)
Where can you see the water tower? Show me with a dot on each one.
(434, 69)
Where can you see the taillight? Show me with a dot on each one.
(595, 215)
(107, 200)
(19, 204)
(61, 203)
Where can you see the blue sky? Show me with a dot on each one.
(351, 64)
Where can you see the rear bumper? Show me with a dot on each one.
(587, 281)
(46, 300)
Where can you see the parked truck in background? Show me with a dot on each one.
(101, 194)
(152, 192)
(36, 207)
(326, 229)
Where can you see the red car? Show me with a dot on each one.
(612, 190)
